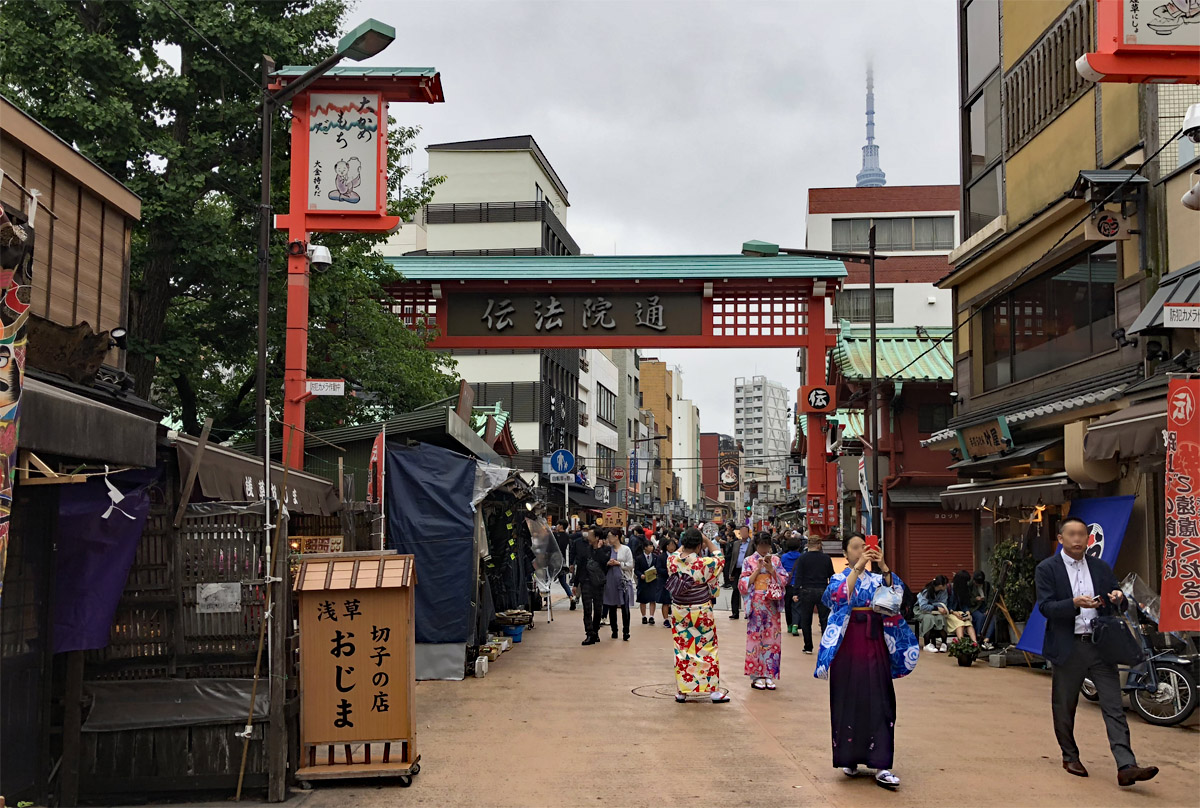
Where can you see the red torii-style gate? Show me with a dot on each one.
(759, 299)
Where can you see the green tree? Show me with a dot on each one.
(187, 141)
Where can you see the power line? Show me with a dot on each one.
(1009, 285)
(257, 86)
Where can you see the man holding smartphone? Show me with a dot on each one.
(1071, 586)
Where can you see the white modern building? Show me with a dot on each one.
(501, 196)
(685, 449)
(761, 423)
(599, 386)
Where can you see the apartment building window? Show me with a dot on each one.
(894, 233)
(933, 418)
(605, 460)
(629, 427)
(1063, 316)
(981, 112)
(606, 405)
(855, 305)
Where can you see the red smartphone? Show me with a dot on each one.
(873, 542)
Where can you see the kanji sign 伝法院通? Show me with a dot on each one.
(345, 152)
(1180, 608)
(558, 314)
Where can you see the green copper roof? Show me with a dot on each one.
(853, 420)
(479, 417)
(614, 267)
(897, 353)
(360, 72)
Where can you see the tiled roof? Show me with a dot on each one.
(1075, 395)
(890, 198)
(903, 354)
(853, 419)
(619, 267)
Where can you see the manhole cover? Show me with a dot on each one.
(666, 691)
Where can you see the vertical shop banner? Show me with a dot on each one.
(729, 470)
(344, 148)
(1180, 608)
(1106, 518)
(16, 285)
(375, 470)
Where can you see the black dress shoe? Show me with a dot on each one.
(1076, 768)
(625, 638)
(614, 635)
(645, 620)
(1135, 774)
(588, 641)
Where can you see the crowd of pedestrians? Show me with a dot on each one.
(678, 572)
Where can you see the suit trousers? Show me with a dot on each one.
(593, 609)
(1084, 662)
(810, 598)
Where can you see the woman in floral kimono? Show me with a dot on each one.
(762, 587)
(862, 651)
(694, 582)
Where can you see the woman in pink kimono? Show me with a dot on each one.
(762, 587)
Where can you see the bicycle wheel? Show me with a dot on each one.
(1172, 703)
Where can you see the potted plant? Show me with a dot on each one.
(1019, 590)
(964, 650)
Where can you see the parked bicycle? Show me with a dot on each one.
(1162, 689)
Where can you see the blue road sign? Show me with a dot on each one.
(562, 461)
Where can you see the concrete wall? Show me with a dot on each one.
(492, 176)
(499, 367)
(910, 305)
(487, 236)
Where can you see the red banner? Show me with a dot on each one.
(1181, 551)
(375, 471)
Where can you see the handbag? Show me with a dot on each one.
(1115, 641)
(887, 600)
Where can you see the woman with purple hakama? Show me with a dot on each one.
(862, 651)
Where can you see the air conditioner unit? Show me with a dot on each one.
(583, 419)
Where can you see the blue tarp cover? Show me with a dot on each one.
(429, 516)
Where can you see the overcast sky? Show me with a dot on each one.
(690, 127)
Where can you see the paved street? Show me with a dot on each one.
(555, 724)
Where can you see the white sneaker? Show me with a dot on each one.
(942, 648)
(931, 648)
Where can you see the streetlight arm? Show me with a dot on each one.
(293, 88)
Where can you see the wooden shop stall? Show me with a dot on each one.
(357, 666)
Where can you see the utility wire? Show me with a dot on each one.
(257, 85)
(1008, 286)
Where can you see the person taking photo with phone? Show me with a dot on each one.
(861, 653)
(762, 587)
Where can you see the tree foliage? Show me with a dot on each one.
(187, 141)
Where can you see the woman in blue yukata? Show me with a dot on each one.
(862, 651)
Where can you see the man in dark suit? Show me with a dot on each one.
(1071, 586)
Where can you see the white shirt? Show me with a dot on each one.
(1081, 584)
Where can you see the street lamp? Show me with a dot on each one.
(363, 42)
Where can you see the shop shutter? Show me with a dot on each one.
(938, 548)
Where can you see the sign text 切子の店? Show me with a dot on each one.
(1180, 607)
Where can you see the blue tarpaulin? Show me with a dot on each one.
(1107, 519)
(429, 516)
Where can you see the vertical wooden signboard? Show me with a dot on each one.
(357, 670)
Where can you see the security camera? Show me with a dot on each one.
(319, 257)
(1191, 199)
(1191, 123)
